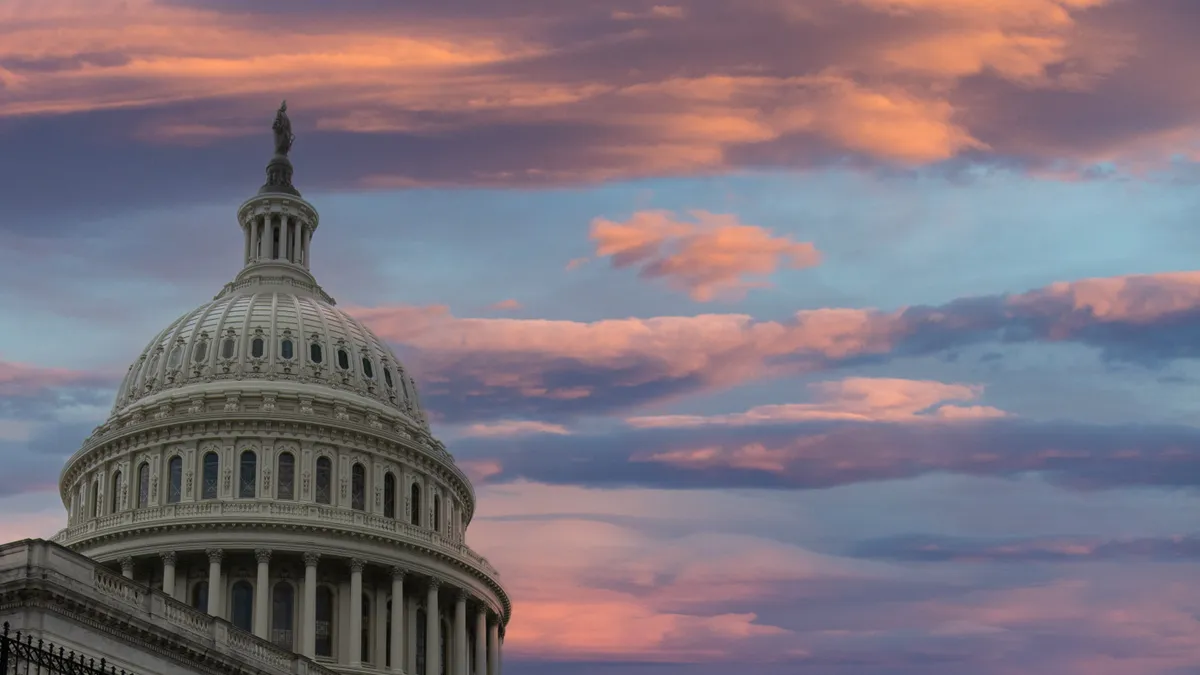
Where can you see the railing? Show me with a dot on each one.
(267, 510)
(20, 655)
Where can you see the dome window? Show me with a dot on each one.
(343, 359)
(285, 350)
(257, 347)
(314, 353)
(368, 369)
(387, 377)
(199, 352)
(176, 357)
(228, 348)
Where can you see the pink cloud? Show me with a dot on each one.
(514, 428)
(20, 379)
(710, 257)
(505, 305)
(856, 399)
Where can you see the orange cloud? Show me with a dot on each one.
(514, 428)
(856, 399)
(709, 257)
(505, 305)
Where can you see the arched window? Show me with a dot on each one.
(116, 492)
(387, 377)
(96, 499)
(242, 603)
(415, 503)
(283, 614)
(389, 495)
(358, 487)
(200, 596)
(287, 476)
(175, 357)
(143, 496)
(314, 353)
(175, 480)
(199, 352)
(324, 480)
(324, 628)
(228, 348)
(248, 475)
(286, 348)
(366, 629)
(343, 359)
(421, 639)
(212, 471)
(257, 347)
(437, 513)
(368, 368)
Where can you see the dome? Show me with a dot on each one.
(262, 337)
(267, 462)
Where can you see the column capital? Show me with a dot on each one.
(463, 596)
(214, 554)
(126, 563)
(398, 572)
(357, 565)
(262, 555)
(168, 557)
(311, 559)
(433, 583)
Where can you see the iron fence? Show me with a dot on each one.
(22, 655)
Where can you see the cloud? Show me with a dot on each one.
(707, 258)
(476, 93)
(514, 428)
(475, 369)
(505, 305)
(21, 379)
(926, 548)
(857, 399)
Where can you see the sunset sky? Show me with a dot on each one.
(780, 337)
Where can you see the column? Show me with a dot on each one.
(432, 630)
(262, 597)
(460, 633)
(127, 567)
(494, 647)
(398, 606)
(309, 628)
(214, 579)
(168, 559)
(481, 641)
(248, 237)
(356, 570)
(306, 244)
(294, 227)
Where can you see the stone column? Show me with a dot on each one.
(261, 593)
(309, 628)
(481, 641)
(248, 237)
(433, 628)
(307, 244)
(295, 228)
(397, 651)
(356, 570)
(460, 633)
(168, 559)
(127, 567)
(493, 640)
(214, 579)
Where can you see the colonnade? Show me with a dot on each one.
(294, 237)
(328, 626)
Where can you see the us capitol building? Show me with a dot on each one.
(266, 496)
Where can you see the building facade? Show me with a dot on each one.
(267, 461)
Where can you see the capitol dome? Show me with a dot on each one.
(267, 462)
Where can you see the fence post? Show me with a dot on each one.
(4, 651)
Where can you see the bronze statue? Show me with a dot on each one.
(283, 131)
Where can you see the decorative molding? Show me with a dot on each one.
(168, 557)
(357, 565)
(262, 555)
(311, 559)
(215, 555)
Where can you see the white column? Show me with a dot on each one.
(168, 559)
(460, 633)
(127, 567)
(295, 228)
(261, 593)
(214, 579)
(356, 570)
(398, 606)
(493, 639)
(433, 626)
(309, 628)
(307, 239)
(480, 641)
(248, 238)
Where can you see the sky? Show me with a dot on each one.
(793, 336)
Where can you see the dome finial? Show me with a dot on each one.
(279, 169)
